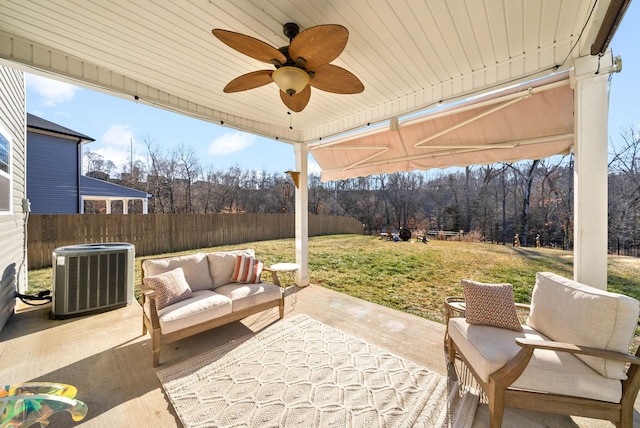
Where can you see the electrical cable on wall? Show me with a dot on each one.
(43, 296)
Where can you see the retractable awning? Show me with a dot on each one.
(527, 121)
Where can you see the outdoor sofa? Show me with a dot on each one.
(570, 357)
(189, 294)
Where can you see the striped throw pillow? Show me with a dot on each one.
(247, 270)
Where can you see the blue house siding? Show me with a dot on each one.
(52, 174)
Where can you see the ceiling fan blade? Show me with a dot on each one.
(252, 80)
(332, 78)
(319, 45)
(256, 49)
(296, 102)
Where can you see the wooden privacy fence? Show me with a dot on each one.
(165, 233)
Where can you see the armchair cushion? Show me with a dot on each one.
(488, 349)
(567, 311)
(195, 267)
(170, 287)
(490, 304)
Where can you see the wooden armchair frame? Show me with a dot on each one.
(500, 395)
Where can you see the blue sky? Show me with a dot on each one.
(115, 122)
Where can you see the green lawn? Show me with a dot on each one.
(414, 277)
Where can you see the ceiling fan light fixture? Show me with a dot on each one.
(290, 80)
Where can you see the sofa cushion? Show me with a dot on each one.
(567, 311)
(195, 267)
(204, 305)
(488, 349)
(247, 270)
(170, 287)
(490, 304)
(247, 295)
(221, 265)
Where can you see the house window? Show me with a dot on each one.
(5, 170)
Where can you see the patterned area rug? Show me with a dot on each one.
(302, 373)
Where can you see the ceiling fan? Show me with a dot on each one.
(302, 64)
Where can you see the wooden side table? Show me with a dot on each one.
(282, 268)
(454, 307)
(289, 269)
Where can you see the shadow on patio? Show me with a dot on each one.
(110, 363)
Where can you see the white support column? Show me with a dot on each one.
(145, 206)
(591, 109)
(302, 215)
(125, 206)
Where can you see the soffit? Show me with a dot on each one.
(409, 55)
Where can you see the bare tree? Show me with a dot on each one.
(95, 165)
(161, 179)
(189, 169)
(624, 188)
(526, 200)
(552, 200)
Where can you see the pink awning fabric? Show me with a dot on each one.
(527, 121)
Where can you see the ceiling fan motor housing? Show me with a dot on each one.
(290, 29)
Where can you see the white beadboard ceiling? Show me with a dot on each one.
(409, 54)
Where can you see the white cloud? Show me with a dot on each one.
(230, 143)
(313, 167)
(52, 91)
(115, 145)
(118, 135)
(118, 157)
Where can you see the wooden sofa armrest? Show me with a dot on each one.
(147, 292)
(577, 349)
(150, 295)
(274, 275)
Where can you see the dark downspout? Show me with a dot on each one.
(79, 174)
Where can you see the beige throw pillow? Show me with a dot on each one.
(490, 304)
(170, 287)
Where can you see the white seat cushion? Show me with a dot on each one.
(247, 295)
(488, 349)
(204, 305)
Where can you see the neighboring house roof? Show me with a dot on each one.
(36, 122)
(95, 187)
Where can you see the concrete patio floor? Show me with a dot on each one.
(109, 361)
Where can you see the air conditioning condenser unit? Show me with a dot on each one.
(92, 278)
